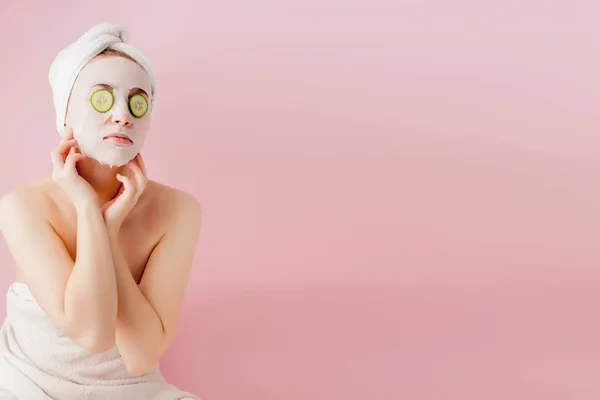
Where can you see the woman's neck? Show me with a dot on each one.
(102, 178)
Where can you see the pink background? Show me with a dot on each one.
(400, 197)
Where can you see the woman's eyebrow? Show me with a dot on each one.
(137, 90)
(102, 85)
(132, 91)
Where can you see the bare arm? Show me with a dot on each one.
(78, 296)
(148, 315)
(91, 290)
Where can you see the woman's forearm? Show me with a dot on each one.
(91, 291)
(139, 333)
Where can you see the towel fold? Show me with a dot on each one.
(70, 61)
(38, 362)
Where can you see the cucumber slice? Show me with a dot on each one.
(102, 100)
(138, 105)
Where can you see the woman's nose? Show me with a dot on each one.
(122, 118)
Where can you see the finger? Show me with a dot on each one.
(129, 189)
(139, 177)
(57, 161)
(106, 205)
(141, 164)
(67, 136)
(64, 146)
(58, 154)
(72, 159)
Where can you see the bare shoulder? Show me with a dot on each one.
(176, 203)
(31, 200)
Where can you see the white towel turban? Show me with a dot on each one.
(70, 61)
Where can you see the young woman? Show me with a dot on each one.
(102, 254)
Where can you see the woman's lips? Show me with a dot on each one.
(119, 140)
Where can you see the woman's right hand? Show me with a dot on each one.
(64, 160)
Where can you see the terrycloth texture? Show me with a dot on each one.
(70, 61)
(38, 362)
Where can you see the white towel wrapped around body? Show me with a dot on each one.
(38, 362)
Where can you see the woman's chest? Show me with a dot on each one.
(137, 238)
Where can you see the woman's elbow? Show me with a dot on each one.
(139, 366)
(138, 361)
(93, 343)
(100, 346)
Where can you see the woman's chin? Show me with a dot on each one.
(114, 159)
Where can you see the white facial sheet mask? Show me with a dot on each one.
(91, 126)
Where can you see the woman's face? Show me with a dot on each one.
(107, 109)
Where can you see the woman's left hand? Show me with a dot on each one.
(116, 210)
